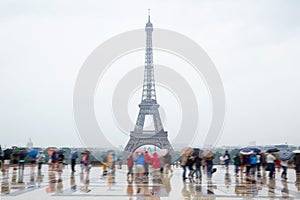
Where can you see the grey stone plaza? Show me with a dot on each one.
(47, 185)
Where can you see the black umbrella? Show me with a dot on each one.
(196, 152)
(7, 152)
(60, 151)
(273, 150)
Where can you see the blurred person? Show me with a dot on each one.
(284, 164)
(190, 163)
(74, 157)
(168, 159)
(278, 165)
(209, 168)
(227, 159)
(155, 166)
(147, 163)
(237, 164)
(139, 167)
(296, 160)
(130, 167)
(258, 164)
(253, 162)
(183, 165)
(198, 164)
(40, 159)
(270, 159)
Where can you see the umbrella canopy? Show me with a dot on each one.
(16, 152)
(285, 155)
(86, 152)
(246, 151)
(296, 151)
(208, 155)
(138, 151)
(273, 150)
(162, 152)
(187, 151)
(197, 152)
(255, 149)
(8, 152)
(50, 151)
(60, 151)
(33, 153)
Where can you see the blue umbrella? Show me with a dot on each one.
(246, 151)
(255, 149)
(285, 155)
(33, 153)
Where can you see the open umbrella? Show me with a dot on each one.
(7, 152)
(138, 151)
(50, 151)
(197, 152)
(254, 149)
(273, 150)
(60, 151)
(187, 151)
(296, 151)
(86, 152)
(162, 152)
(246, 151)
(208, 155)
(33, 153)
(285, 155)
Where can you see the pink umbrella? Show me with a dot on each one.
(138, 151)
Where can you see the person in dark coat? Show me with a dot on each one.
(74, 156)
(227, 159)
(297, 164)
(237, 164)
(190, 162)
(198, 164)
(209, 168)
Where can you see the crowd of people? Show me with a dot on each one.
(143, 161)
(259, 163)
(248, 163)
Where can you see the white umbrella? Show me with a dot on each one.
(162, 152)
(296, 151)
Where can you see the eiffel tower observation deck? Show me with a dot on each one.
(148, 106)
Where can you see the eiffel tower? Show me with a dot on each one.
(148, 106)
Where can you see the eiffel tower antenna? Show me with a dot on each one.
(148, 14)
(148, 106)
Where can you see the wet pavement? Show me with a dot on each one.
(66, 185)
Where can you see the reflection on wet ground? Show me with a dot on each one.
(20, 182)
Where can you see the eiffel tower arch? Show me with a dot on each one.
(148, 106)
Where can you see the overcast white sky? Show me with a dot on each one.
(255, 46)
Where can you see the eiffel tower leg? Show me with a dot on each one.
(140, 123)
(157, 121)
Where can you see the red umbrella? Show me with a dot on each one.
(138, 151)
(50, 151)
(86, 152)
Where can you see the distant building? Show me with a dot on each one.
(29, 144)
